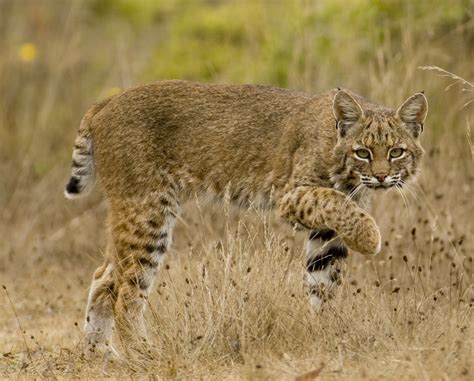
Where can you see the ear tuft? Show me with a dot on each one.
(346, 111)
(413, 112)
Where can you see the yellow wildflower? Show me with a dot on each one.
(111, 91)
(28, 52)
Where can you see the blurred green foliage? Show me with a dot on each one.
(62, 56)
(267, 41)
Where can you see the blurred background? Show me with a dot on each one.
(58, 57)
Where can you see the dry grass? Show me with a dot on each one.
(232, 303)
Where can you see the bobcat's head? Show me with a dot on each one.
(377, 147)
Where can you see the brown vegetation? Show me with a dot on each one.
(231, 302)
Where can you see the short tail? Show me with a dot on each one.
(83, 169)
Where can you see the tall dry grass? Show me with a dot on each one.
(231, 302)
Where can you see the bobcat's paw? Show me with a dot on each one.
(365, 235)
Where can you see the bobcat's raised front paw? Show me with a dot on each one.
(364, 236)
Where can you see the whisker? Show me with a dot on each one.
(402, 195)
(412, 192)
(351, 195)
(410, 214)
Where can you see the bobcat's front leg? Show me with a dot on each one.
(317, 207)
(325, 254)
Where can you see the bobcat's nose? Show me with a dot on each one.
(381, 177)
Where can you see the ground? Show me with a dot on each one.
(230, 302)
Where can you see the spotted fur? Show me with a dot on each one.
(155, 146)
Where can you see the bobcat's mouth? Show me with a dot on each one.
(373, 183)
(379, 186)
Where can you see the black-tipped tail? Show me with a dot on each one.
(72, 186)
(83, 170)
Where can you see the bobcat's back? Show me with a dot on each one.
(207, 137)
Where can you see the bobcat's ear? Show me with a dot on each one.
(346, 111)
(413, 112)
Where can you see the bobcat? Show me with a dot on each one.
(312, 157)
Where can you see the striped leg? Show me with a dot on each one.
(324, 252)
(142, 235)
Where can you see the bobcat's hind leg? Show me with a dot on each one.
(142, 234)
(324, 254)
(99, 322)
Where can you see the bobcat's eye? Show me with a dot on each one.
(363, 153)
(396, 153)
